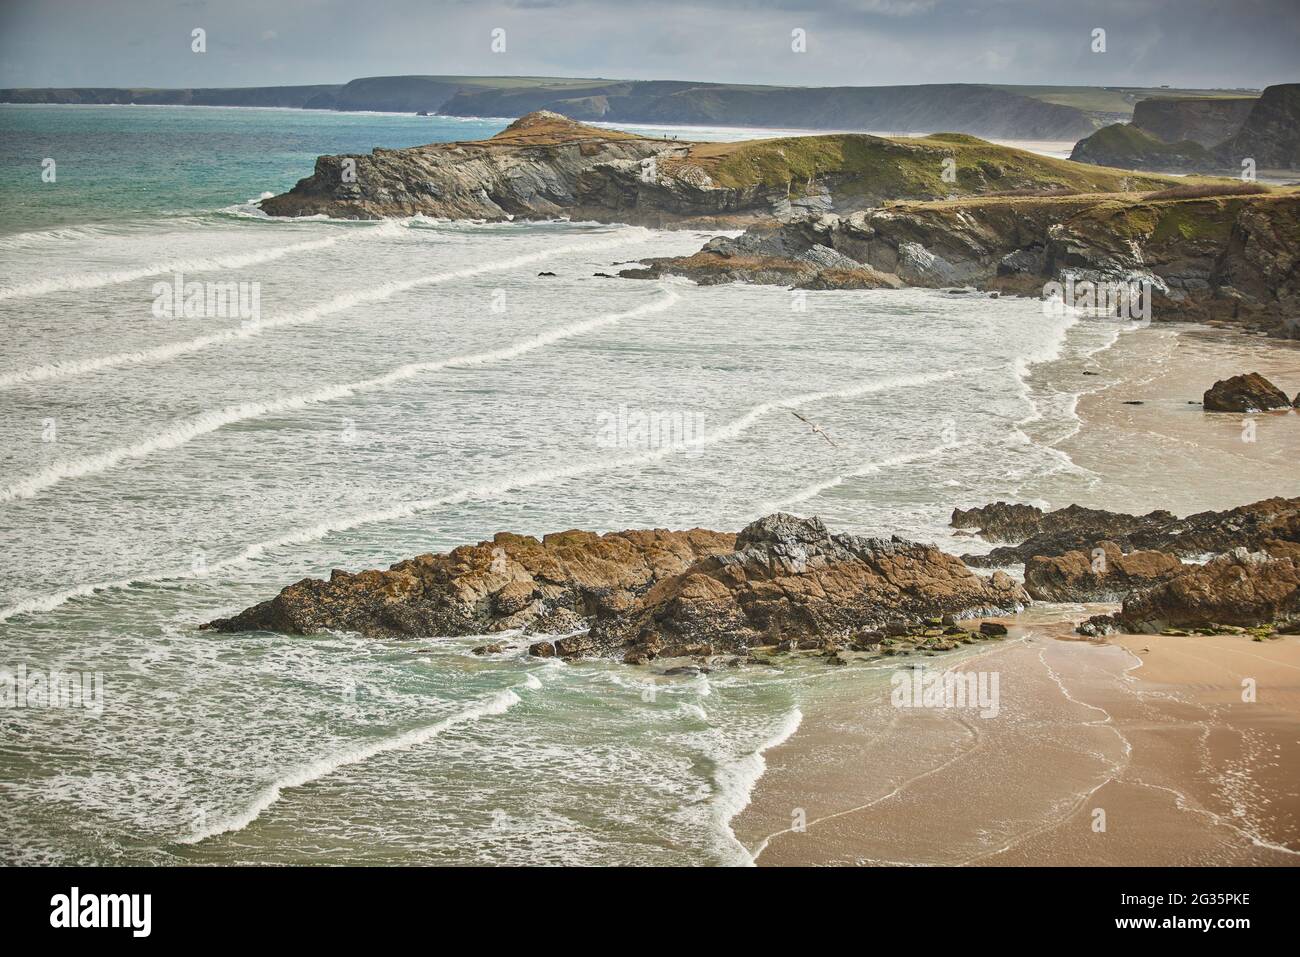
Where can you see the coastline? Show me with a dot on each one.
(1147, 729)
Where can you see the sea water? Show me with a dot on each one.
(409, 386)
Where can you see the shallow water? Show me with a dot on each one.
(411, 386)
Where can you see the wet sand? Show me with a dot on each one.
(1138, 750)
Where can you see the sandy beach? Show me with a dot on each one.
(1135, 750)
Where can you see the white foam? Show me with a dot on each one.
(340, 303)
(499, 703)
(518, 480)
(736, 780)
(207, 422)
(95, 280)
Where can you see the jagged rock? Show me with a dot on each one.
(1250, 392)
(1000, 521)
(512, 581)
(791, 579)
(1076, 528)
(1104, 574)
(1241, 588)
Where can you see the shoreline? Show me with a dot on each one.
(1149, 730)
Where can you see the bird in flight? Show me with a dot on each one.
(817, 429)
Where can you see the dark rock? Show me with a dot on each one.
(542, 649)
(1076, 528)
(1244, 393)
(993, 629)
(492, 649)
(1001, 521)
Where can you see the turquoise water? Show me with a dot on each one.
(125, 162)
(408, 387)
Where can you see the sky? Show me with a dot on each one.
(1181, 43)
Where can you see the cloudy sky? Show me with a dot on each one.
(1189, 43)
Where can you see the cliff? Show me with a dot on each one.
(545, 165)
(1179, 135)
(1270, 135)
(1206, 121)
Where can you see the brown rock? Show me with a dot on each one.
(790, 579)
(512, 581)
(1241, 588)
(1104, 574)
(1244, 393)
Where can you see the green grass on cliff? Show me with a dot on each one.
(903, 167)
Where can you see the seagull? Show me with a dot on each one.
(817, 429)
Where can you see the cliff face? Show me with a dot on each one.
(546, 165)
(1206, 121)
(1270, 135)
(1233, 259)
(1178, 135)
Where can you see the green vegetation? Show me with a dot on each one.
(902, 167)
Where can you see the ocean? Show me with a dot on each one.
(369, 391)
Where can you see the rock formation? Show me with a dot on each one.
(1223, 259)
(1104, 573)
(1250, 392)
(546, 165)
(1242, 589)
(512, 581)
(648, 594)
(790, 579)
(1079, 529)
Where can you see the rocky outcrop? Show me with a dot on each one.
(648, 594)
(1220, 259)
(513, 581)
(1250, 392)
(791, 579)
(1242, 588)
(1000, 521)
(1103, 574)
(1080, 529)
(546, 165)
(1206, 121)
